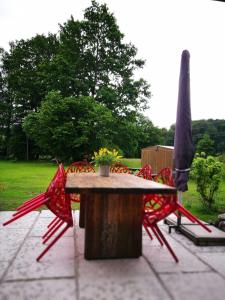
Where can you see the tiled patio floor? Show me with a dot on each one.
(65, 274)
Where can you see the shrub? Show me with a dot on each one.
(207, 172)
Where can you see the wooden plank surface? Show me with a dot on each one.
(126, 183)
(113, 226)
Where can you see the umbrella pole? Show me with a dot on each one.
(179, 198)
(176, 226)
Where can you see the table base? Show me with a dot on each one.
(113, 225)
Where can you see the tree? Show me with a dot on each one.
(94, 60)
(69, 128)
(86, 58)
(205, 144)
(6, 112)
(216, 131)
(23, 71)
(25, 67)
(148, 134)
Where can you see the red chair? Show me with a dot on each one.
(79, 167)
(165, 176)
(158, 207)
(145, 172)
(119, 168)
(57, 201)
(154, 214)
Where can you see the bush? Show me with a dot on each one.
(208, 173)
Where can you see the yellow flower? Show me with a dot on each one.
(106, 156)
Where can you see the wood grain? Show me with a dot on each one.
(113, 226)
(125, 183)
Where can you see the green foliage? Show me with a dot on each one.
(147, 134)
(205, 144)
(207, 172)
(87, 58)
(69, 128)
(215, 129)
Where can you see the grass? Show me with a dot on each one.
(191, 200)
(20, 181)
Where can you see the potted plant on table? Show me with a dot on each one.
(104, 158)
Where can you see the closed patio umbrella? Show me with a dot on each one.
(183, 144)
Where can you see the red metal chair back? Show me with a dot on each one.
(145, 172)
(165, 176)
(119, 168)
(59, 202)
(80, 167)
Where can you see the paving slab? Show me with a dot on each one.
(11, 239)
(187, 243)
(162, 261)
(3, 267)
(65, 274)
(46, 213)
(63, 289)
(217, 262)
(24, 222)
(198, 234)
(58, 262)
(116, 279)
(195, 286)
(40, 227)
(127, 288)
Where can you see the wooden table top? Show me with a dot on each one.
(126, 183)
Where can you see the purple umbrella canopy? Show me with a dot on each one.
(183, 144)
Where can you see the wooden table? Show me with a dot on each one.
(111, 212)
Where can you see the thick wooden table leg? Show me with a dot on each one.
(82, 210)
(113, 226)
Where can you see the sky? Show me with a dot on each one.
(161, 30)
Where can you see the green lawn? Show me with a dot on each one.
(20, 181)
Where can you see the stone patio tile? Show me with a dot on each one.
(45, 213)
(215, 260)
(11, 239)
(58, 262)
(118, 279)
(3, 266)
(186, 242)
(162, 261)
(40, 227)
(63, 289)
(24, 222)
(195, 286)
(115, 279)
(111, 288)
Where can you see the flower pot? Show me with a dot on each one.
(104, 170)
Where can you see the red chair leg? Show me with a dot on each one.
(53, 221)
(53, 231)
(157, 235)
(23, 213)
(51, 228)
(166, 243)
(192, 218)
(39, 201)
(30, 201)
(52, 243)
(147, 230)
